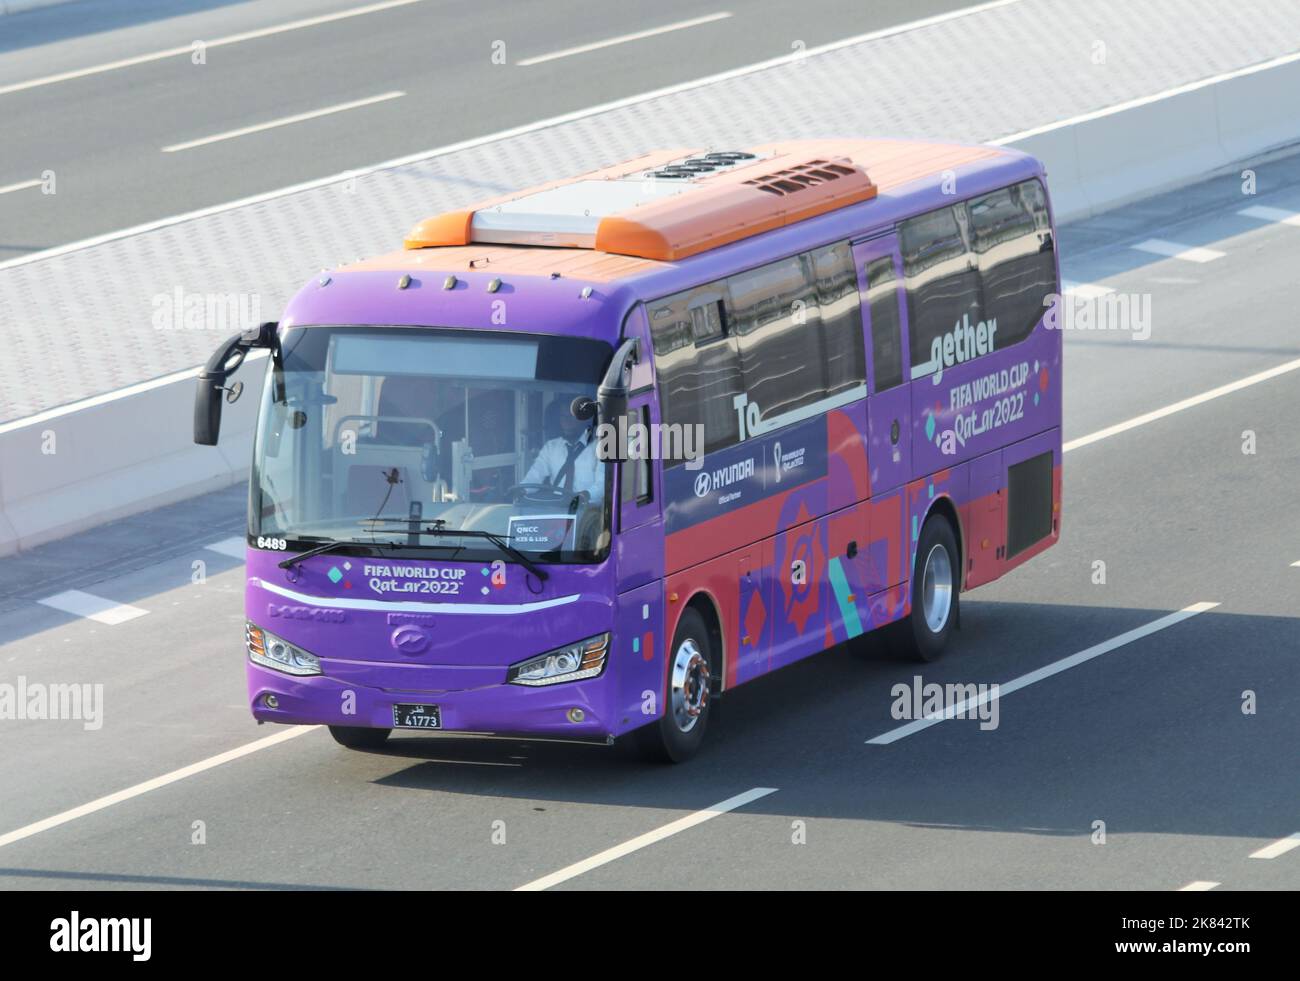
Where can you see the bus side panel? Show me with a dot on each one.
(982, 404)
(983, 519)
(637, 657)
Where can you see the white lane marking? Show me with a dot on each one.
(412, 606)
(680, 25)
(1279, 847)
(649, 838)
(234, 547)
(185, 49)
(1295, 565)
(21, 185)
(1146, 100)
(1278, 215)
(100, 803)
(966, 706)
(1176, 250)
(92, 607)
(1085, 291)
(1186, 403)
(1200, 885)
(505, 134)
(285, 121)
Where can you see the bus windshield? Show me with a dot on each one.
(370, 435)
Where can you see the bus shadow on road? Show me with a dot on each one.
(1190, 712)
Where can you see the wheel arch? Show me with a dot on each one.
(706, 604)
(943, 506)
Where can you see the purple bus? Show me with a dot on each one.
(576, 461)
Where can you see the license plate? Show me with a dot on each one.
(416, 717)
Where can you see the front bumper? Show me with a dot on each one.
(499, 708)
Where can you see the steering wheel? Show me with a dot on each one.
(537, 493)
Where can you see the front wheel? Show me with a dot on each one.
(678, 734)
(935, 585)
(359, 737)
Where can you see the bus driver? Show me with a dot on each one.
(568, 462)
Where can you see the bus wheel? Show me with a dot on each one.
(924, 634)
(358, 737)
(680, 730)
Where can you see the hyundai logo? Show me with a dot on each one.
(410, 640)
(702, 485)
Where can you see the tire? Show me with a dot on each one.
(357, 737)
(679, 732)
(924, 633)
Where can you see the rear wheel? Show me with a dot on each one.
(680, 730)
(358, 737)
(924, 634)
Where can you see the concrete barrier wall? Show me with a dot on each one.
(1107, 159)
(127, 452)
(71, 469)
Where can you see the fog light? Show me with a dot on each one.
(576, 715)
(270, 701)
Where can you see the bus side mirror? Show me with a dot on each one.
(611, 397)
(224, 362)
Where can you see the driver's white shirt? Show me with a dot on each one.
(587, 472)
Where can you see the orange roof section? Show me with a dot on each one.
(784, 183)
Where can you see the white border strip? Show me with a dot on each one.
(1263, 66)
(965, 707)
(502, 134)
(641, 841)
(394, 606)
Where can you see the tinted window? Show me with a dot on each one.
(786, 334)
(774, 315)
(1012, 240)
(841, 317)
(697, 381)
(882, 301)
(942, 282)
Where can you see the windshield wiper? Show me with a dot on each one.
(324, 547)
(438, 530)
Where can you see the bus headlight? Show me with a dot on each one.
(573, 662)
(270, 651)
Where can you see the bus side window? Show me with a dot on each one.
(1012, 238)
(697, 381)
(775, 317)
(841, 317)
(882, 306)
(942, 282)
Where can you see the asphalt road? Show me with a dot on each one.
(459, 68)
(1149, 738)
